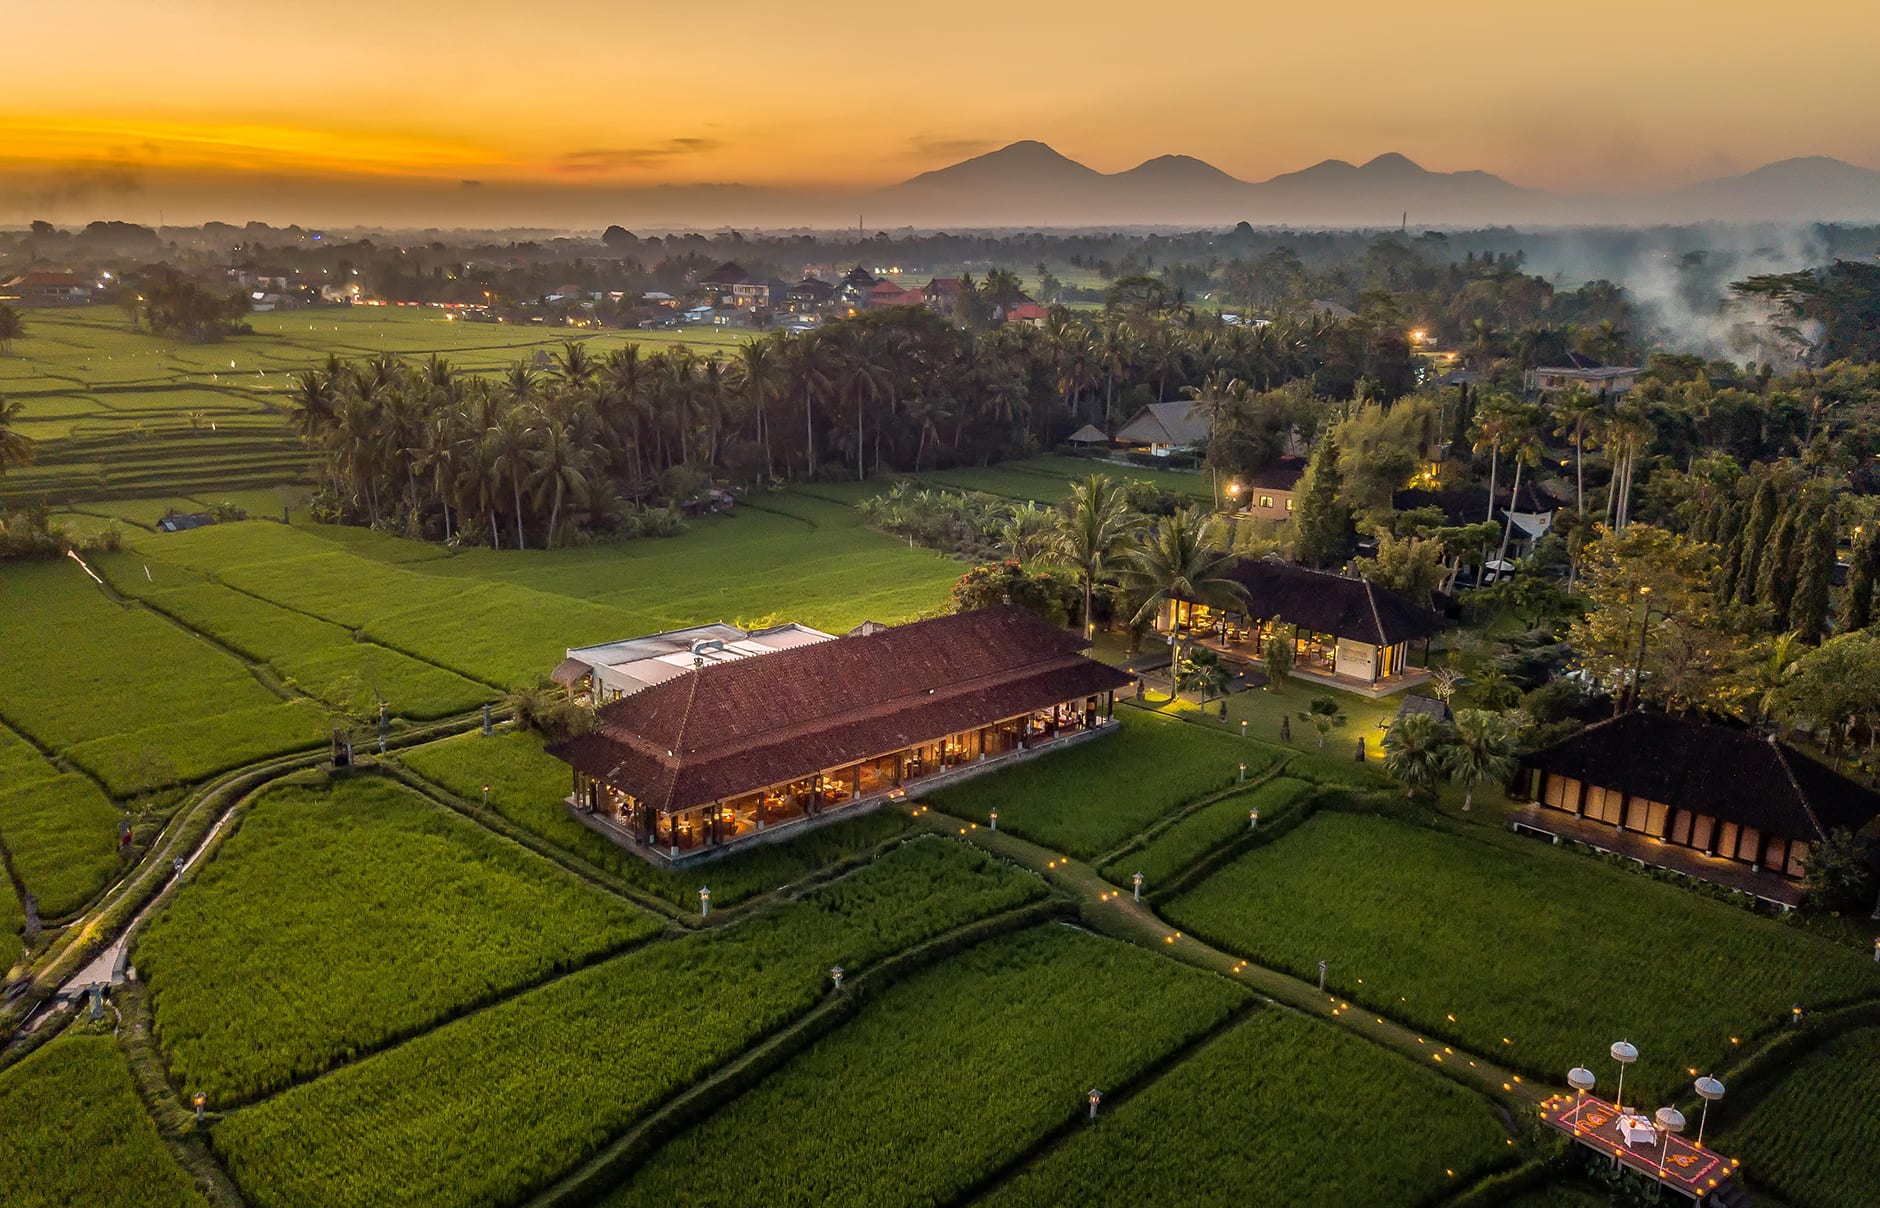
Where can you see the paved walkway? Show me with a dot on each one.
(1114, 912)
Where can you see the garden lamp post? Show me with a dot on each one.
(1243, 728)
(1709, 1090)
(1581, 1080)
(1253, 819)
(835, 975)
(995, 819)
(1670, 1120)
(199, 1101)
(1625, 1054)
(1324, 968)
(486, 796)
(1094, 1097)
(1243, 774)
(1136, 880)
(704, 903)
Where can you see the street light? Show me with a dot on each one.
(1625, 1054)
(1709, 1090)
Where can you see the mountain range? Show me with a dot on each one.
(1030, 184)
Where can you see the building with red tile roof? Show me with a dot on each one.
(729, 751)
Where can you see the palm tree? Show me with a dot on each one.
(1524, 449)
(560, 466)
(1216, 397)
(1323, 712)
(1177, 566)
(1094, 532)
(11, 328)
(511, 441)
(1416, 751)
(1483, 750)
(16, 448)
(1575, 411)
(1027, 532)
(757, 370)
(1770, 674)
(440, 458)
(1488, 430)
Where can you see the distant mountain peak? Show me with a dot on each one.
(1393, 162)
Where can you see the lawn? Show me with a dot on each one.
(62, 834)
(1207, 829)
(1007, 1036)
(338, 918)
(128, 695)
(1089, 798)
(1516, 950)
(73, 1132)
(1279, 1110)
(494, 1106)
(528, 787)
(1815, 1139)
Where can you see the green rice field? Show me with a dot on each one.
(1536, 957)
(331, 922)
(1813, 1139)
(73, 1132)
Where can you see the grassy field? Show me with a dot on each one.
(1007, 1036)
(1087, 799)
(1207, 829)
(492, 1106)
(1815, 1140)
(338, 918)
(125, 694)
(73, 1132)
(62, 834)
(1280, 1110)
(1514, 949)
(527, 786)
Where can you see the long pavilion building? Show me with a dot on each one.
(736, 752)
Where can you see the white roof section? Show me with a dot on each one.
(632, 664)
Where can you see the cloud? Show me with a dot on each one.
(929, 145)
(617, 159)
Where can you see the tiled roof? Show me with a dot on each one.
(735, 727)
(1732, 774)
(1177, 424)
(728, 273)
(1323, 602)
(1282, 475)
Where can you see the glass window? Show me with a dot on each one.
(1603, 804)
(1562, 792)
(1726, 839)
(1749, 845)
(1289, 506)
(1703, 826)
(1681, 828)
(1266, 501)
(1655, 812)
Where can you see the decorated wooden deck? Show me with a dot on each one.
(1681, 1165)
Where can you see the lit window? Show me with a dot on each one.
(1289, 504)
(1266, 501)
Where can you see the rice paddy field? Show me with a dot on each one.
(127, 416)
(73, 1132)
(1813, 1139)
(1517, 950)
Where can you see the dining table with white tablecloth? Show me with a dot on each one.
(1637, 1130)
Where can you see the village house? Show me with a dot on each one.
(889, 293)
(1577, 369)
(44, 288)
(1716, 802)
(1029, 313)
(1269, 492)
(1347, 632)
(943, 293)
(809, 296)
(718, 284)
(735, 751)
(1165, 428)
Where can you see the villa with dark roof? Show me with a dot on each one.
(1717, 802)
(1347, 632)
(1578, 369)
(742, 750)
(1166, 428)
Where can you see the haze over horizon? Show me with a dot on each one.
(469, 114)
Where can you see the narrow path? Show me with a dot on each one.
(1115, 913)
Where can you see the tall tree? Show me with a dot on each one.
(16, 448)
(11, 327)
(1482, 751)
(1177, 565)
(1416, 751)
(1321, 519)
(1857, 604)
(512, 444)
(1765, 506)
(1094, 533)
(1573, 413)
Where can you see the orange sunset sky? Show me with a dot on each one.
(361, 110)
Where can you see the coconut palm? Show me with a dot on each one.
(1575, 412)
(1323, 713)
(1177, 565)
(1524, 449)
(1483, 750)
(1027, 532)
(757, 373)
(1416, 751)
(11, 327)
(511, 440)
(1095, 531)
(16, 448)
(560, 467)
(1488, 431)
